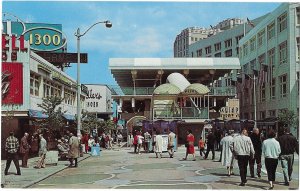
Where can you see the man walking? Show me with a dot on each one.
(11, 148)
(171, 139)
(74, 150)
(242, 148)
(210, 145)
(24, 150)
(256, 141)
(147, 138)
(288, 145)
(42, 152)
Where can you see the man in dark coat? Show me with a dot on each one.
(288, 145)
(24, 150)
(256, 141)
(210, 145)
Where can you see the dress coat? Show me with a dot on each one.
(227, 156)
(74, 147)
(190, 139)
(158, 143)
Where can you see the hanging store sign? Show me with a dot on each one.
(55, 57)
(12, 83)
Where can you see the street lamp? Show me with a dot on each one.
(108, 24)
(254, 93)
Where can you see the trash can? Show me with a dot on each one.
(95, 151)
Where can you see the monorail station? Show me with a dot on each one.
(172, 93)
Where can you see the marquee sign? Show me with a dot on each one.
(41, 36)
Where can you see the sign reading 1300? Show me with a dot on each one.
(45, 38)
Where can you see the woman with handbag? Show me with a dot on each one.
(190, 145)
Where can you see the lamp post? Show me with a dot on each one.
(254, 93)
(108, 24)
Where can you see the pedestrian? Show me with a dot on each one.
(24, 149)
(109, 140)
(227, 158)
(242, 149)
(11, 148)
(130, 140)
(210, 145)
(147, 138)
(73, 153)
(91, 142)
(140, 142)
(201, 145)
(119, 138)
(218, 138)
(171, 139)
(256, 141)
(85, 141)
(288, 145)
(271, 151)
(42, 152)
(158, 144)
(135, 142)
(190, 149)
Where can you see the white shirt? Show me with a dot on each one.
(271, 148)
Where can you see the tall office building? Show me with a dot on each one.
(272, 48)
(187, 37)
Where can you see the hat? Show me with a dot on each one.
(59, 141)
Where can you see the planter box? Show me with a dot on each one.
(51, 158)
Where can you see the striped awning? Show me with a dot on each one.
(197, 88)
(167, 89)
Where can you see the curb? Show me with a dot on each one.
(50, 174)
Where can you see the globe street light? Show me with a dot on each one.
(254, 93)
(108, 24)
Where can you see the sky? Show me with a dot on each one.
(140, 29)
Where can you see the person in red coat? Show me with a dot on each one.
(135, 141)
(85, 140)
(190, 139)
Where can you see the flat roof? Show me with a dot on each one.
(149, 72)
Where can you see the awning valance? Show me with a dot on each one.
(37, 114)
(69, 117)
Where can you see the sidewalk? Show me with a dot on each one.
(31, 175)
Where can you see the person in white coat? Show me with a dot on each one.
(227, 158)
(158, 144)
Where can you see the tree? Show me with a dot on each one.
(287, 119)
(55, 120)
(89, 121)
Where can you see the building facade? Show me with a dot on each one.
(272, 49)
(98, 101)
(187, 37)
(27, 78)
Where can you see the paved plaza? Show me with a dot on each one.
(120, 168)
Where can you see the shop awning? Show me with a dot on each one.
(37, 114)
(69, 117)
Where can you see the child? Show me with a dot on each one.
(201, 146)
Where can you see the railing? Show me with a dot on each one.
(138, 90)
(169, 112)
(223, 91)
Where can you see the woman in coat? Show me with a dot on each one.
(73, 153)
(227, 157)
(158, 144)
(271, 151)
(190, 145)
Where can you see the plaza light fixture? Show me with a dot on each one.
(108, 24)
(254, 93)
